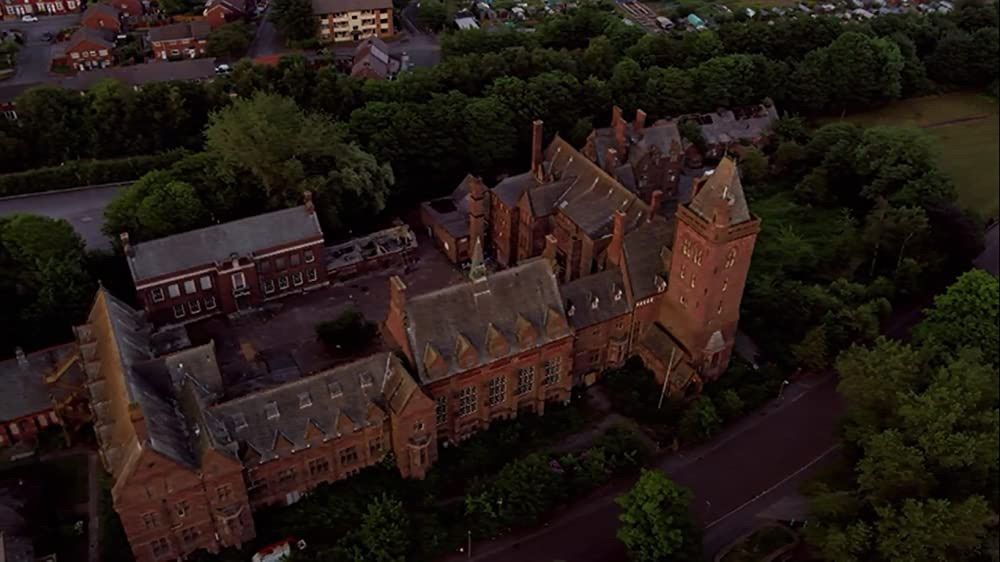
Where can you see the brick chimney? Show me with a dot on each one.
(126, 245)
(549, 253)
(654, 203)
(619, 126)
(479, 206)
(616, 249)
(640, 122)
(537, 159)
(395, 321)
(307, 198)
(610, 160)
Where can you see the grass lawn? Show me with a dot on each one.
(969, 150)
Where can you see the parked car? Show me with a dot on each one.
(48, 37)
(223, 69)
(28, 18)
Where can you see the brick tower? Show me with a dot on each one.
(713, 243)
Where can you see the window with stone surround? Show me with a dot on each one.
(179, 311)
(731, 258)
(525, 380)
(258, 483)
(189, 534)
(149, 520)
(318, 466)
(287, 475)
(156, 294)
(441, 410)
(161, 547)
(496, 390)
(375, 446)
(552, 370)
(467, 401)
(348, 456)
(311, 274)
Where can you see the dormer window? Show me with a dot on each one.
(570, 310)
(618, 294)
(595, 303)
(336, 391)
(271, 410)
(305, 400)
(239, 421)
(660, 284)
(366, 380)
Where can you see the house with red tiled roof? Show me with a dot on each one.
(88, 49)
(102, 17)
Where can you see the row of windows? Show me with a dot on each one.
(284, 282)
(317, 467)
(89, 54)
(284, 262)
(191, 286)
(496, 390)
(194, 307)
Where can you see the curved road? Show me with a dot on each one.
(83, 208)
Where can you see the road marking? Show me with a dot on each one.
(774, 487)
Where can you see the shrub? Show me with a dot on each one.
(700, 422)
(78, 173)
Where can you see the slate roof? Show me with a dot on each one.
(745, 123)
(320, 7)
(452, 212)
(593, 196)
(103, 8)
(662, 135)
(215, 244)
(332, 402)
(722, 187)
(184, 30)
(660, 344)
(509, 189)
(139, 74)
(102, 37)
(543, 198)
(595, 298)
(647, 256)
(24, 391)
(485, 318)
(372, 54)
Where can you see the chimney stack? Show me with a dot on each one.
(126, 245)
(654, 203)
(307, 197)
(616, 248)
(478, 210)
(610, 160)
(549, 253)
(640, 122)
(536, 149)
(619, 125)
(22, 359)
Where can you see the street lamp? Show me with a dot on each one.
(781, 390)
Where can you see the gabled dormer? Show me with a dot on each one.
(496, 344)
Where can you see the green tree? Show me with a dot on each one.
(753, 167)
(155, 206)
(656, 522)
(966, 315)
(872, 380)
(294, 19)
(853, 71)
(700, 421)
(230, 41)
(384, 529)
(935, 529)
(432, 15)
(731, 406)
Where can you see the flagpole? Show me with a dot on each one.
(670, 366)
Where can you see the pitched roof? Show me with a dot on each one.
(509, 189)
(332, 402)
(593, 196)
(595, 298)
(23, 381)
(722, 190)
(493, 315)
(452, 212)
(664, 347)
(647, 256)
(102, 8)
(218, 243)
(543, 198)
(320, 7)
(102, 37)
(742, 123)
(139, 74)
(193, 29)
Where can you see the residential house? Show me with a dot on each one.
(372, 60)
(40, 390)
(102, 17)
(90, 49)
(353, 20)
(14, 9)
(229, 267)
(128, 8)
(220, 12)
(180, 40)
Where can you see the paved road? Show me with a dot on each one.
(750, 466)
(423, 48)
(84, 209)
(266, 40)
(990, 257)
(35, 57)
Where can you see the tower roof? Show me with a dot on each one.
(722, 187)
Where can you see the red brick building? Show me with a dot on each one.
(128, 8)
(102, 17)
(14, 9)
(220, 12)
(229, 267)
(41, 390)
(90, 49)
(186, 40)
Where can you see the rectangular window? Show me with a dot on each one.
(336, 391)
(179, 311)
(283, 282)
(375, 447)
(294, 259)
(305, 400)
(224, 492)
(174, 291)
(552, 370)
(318, 466)
(194, 306)
(595, 356)
(239, 281)
(209, 303)
(271, 410)
(310, 257)
(496, 390)
(279, 263)
(160, 547)
(189, 287)
(441, 409)
(348, 456)
(265, 266)
(287, 475)
(297, 278)
(311, 275)
(156, 294)
(467, 401)
(525, 380)
(268, 286)
(258, 484)
(205, 282)
(189, 534)
(149, 520)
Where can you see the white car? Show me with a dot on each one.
(28, 18)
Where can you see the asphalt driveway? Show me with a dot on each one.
(35, 56)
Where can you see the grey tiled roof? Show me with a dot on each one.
(722, 187)
(728, 126)
(544, 197)
(647, 256)
(331, 402)
(455, 220)
(139, 74)
(24, 391)
(509, 189)
(525, 296)
(215, 244)
(595, 298)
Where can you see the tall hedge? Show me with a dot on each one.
(78, 173)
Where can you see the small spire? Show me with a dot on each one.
(477, 270)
